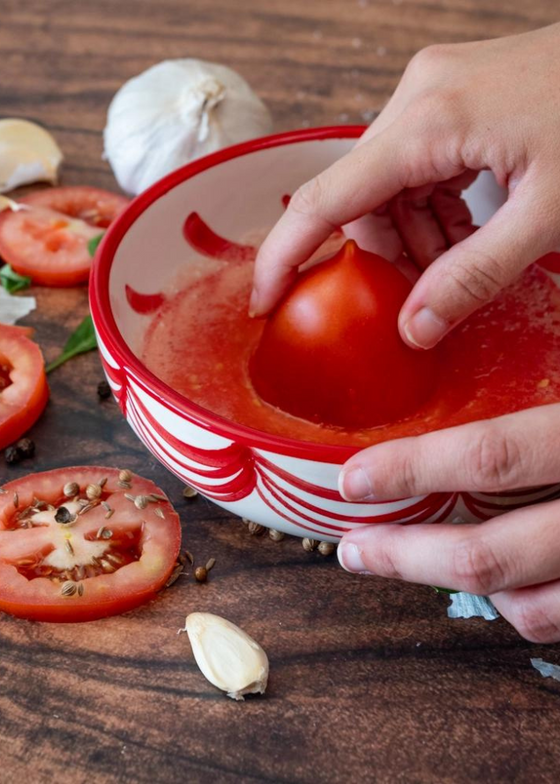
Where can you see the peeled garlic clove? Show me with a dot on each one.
(174, 112)
(230, 659)
(28, 153)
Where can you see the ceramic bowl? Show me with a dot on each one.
(278, 482)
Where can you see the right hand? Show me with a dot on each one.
(458, 110)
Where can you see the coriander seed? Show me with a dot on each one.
(71, 489)
(309, 544)
(275, 535)
(326, 548)
(93, 492)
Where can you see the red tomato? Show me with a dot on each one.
(23, 383)
(59, 565)
(49, 241)
(550, 262)
(331, 352)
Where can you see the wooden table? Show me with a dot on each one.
(370, 681)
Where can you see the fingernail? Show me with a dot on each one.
(425, 329)
(253, 302)
(354, 485)
(350, 558)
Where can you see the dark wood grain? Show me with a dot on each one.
(369, 679)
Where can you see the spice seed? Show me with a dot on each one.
(80, 589)
(124, 485)
(86, 508)
(211, 563)
(71, 489)
(69, 547)
(105, 505)
(109, 514)
(157, 497)
(130, 497)
(174, 576)
(326, 548)
(309, 544)
(102, 482)
(125, 475)
(93, 492)
(255, 529)
(190, 557)
(16, 500)
(2, 491)
(201, 574)
(141, 501)
(275, 535)
(68, 588)
(107, 534)
(189, 492)
(159, 513)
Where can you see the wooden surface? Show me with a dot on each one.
(369, 679)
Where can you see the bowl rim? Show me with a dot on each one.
(112, 338)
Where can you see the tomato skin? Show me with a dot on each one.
(133, 584)
(21, 403)
(49, 241)
(550, 262)
(331, 352)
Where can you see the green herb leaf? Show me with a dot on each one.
(93, 244)
(11, 281)
(443, 590)
(81, 340)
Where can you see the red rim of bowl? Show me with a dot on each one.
(117, 346)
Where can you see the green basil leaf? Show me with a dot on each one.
(81, 340)
(93, 244)
(11, 281)
(437, 589)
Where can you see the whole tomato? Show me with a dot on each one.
(331, 352)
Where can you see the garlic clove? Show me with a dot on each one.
(28, 153)
(230, 659)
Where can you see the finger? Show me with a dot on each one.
(512, 451)
(533, 611)
(451, 210)
(419, 229)
(341, 194)
(512, 551)
(474, 271)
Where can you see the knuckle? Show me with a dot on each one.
(428, 62)
(386, 563)
(477, 568)
(479, 278)
(309, 199)
(535, 622)
(493, 461)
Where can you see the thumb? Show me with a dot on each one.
(473, 272)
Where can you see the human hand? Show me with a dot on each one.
(458, 109)
(514, 558)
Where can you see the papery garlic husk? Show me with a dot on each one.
(28, 153)
(230, 659)
(174, 112)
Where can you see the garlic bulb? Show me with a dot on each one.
(28, 153)
(230, 659)
(174, 112)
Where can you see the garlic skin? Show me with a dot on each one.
(174, 112)
(28, 153)
(230, 659)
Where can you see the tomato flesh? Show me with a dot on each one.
(23, 383)
(331, 352)
(48, 241)
(72, 559)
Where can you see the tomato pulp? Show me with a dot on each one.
(77, 554)
(48, 239)
(503, 358)
(23, 383)
(331, 351)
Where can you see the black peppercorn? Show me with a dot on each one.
(26, 446)
(12, 455)
(103, 390)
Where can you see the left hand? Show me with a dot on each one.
(514, 558)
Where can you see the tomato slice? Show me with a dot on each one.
(48, 241)
(23, 383)
(74, 559)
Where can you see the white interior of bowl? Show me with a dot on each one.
(234, 198)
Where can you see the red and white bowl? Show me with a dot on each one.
(279, 482)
